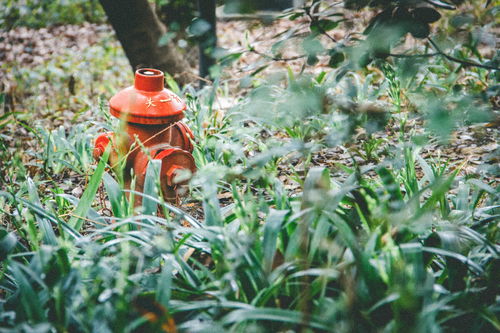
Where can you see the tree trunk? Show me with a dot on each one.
(208, 41)
(139, 30)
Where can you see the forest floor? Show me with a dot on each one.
(60, 76)
(338, 187)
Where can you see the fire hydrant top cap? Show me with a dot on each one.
(149, 79)
(147, 101)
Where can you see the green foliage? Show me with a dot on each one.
(176, 14)
(364, 248)
(41, 13)
(385, 239)
(386, 252)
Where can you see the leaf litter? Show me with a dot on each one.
(22, 50)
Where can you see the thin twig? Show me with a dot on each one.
(139, 146)
(82, 218)
(425, 55)
(314, 21)
(460, 61)
(189, 73)
(253, 50)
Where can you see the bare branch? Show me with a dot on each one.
(460, 61)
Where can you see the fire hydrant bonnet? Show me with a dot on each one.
(147, 102)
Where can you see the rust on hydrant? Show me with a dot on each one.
(152, 130)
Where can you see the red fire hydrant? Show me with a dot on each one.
(152, 130)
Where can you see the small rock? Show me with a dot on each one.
(77, 192)
(466, 137)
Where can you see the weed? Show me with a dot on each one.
(286, 241)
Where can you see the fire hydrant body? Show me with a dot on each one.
(152, 130)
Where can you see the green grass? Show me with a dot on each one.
(365, 254)
(383, 241)
(39, 14)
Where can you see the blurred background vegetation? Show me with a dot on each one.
(41, 13)
(348, 175)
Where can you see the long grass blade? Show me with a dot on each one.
(88, 195)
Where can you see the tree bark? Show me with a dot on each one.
(208, 41)
(138, 29)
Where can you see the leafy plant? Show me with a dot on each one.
(40, 13)
(282, 231)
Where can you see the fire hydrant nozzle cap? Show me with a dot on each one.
(148, 79)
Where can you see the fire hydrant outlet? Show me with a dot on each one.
(101, 143)
(174, 160)
(151, 114)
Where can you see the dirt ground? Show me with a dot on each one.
(473, 149)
